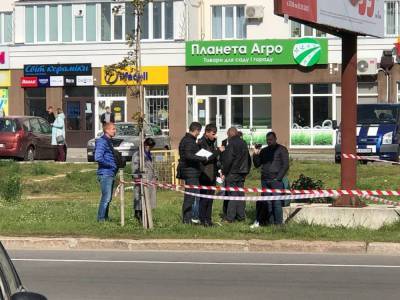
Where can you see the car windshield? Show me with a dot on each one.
(9, 271)
(8, 125)
(377, 114)
(127, 130)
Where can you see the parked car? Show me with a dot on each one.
(11, 287)
(127, 140)
(26, 138)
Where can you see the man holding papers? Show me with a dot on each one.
(189, 169)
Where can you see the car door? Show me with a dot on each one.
(37, 137)
(48, 149)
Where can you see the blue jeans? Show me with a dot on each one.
(107, 185)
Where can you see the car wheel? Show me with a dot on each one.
(30, 154)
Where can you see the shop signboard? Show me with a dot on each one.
(29, 82)
(360, 16)
(56, 81)
(305, 52)
(43, 81)
(153, 75)
(5, 78)
(84, 81)
(58, 70)
(3, 102)
(4, 58)
(69, 81)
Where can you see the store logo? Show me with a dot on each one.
(307, 52)
(29, 81)
(56, 80)
(84, 80)
(43, 81)
(122, 76)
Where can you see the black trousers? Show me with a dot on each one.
(236, 210)
(188, 200)
(205, 211)
(269, 212)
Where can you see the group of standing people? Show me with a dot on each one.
(57, 123)
(232, 162)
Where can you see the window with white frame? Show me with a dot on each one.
(94, 22)
(6, 28)
(157, 106)
(392, 18)
(367, 92)
(301, 30)
(228, 22)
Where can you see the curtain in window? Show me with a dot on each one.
(67, 23)
(217, 22)
(53, 23)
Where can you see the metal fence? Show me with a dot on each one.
(165, 163)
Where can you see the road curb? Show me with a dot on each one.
(37, 243)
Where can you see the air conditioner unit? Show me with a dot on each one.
(367, 66)
(254, 12)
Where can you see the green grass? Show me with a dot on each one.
(74, 213)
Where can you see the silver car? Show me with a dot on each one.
(127, 140)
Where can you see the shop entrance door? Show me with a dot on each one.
(79, 121)
(117, 106)
(212, 110)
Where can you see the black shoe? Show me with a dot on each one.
(138, 215)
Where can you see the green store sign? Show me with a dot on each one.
(305, 52)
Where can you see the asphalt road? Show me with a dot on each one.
(188, 275)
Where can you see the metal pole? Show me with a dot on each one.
(349, 115)
(122, 197)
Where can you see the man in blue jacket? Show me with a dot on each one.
(107, 169)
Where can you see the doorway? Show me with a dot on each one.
(79, 113)
(212, 110)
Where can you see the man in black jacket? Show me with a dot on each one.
(209, 172)
(189, 168)
(236, 164)
(274, 163)
(107, 117)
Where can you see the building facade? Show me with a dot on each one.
(228, 62)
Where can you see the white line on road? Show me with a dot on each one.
(202, 263)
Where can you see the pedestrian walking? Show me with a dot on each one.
(107, 169)
(209, 173)
(107, 117)
(58, 136)
(236, 165)
(149, 175)
(274, 163)
(189, 169)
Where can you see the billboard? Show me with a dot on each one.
(365, 17)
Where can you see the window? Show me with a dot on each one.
(157, 106)
(67, 23)
(228, 22)
(157, 21)
(29, 24)
(41, 23)
(367, 93)
(91, 22)
(35, 102)
(105, 21)
(392, 18)
(130, 20)
(79, 13)
(53, 23)
(300, 30)
(6, 28)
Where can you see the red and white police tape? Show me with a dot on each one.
(277, 194)
(368, 158)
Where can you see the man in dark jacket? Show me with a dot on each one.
(274, 163)
(107, 169)
(189, 168)
(50, 115)
(209, 173)
(236, 164)
(107, 117)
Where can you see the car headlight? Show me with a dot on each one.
(387, 138)
(127, 145)
(338, 138)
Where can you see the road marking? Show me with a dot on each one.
(149, 262)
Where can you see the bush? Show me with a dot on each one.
(308, 183)
(11, 188)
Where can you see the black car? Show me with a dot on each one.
(11, 287)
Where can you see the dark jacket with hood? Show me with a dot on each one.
(274, 162)
(209, 168)
(236, 159)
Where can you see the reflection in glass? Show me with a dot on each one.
(73, 115)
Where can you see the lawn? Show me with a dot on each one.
(67, 206)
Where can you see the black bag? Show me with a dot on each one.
(120, 161)
(179, 173)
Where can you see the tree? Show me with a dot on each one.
(132, 63)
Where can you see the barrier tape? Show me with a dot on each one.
(369, 158)
(378, 200)
(330, 192)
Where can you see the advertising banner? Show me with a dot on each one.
(305, 52)
(56, 81)
(58, 70)
(29, 82)
(4, 58)
(150, 76)
(3, 102)
(365, 17)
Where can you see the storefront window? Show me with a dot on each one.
(157, 106)
(211, 89)
(73, 115)
(240, 111)
(262, 112)
(35, 102)
(367, 93)
(89, 115)
(313, 109)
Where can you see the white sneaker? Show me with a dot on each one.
(195, 221)
(255, 225)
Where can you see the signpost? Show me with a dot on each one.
(347, 19)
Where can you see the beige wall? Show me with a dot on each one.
(6, 5)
